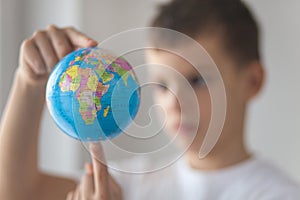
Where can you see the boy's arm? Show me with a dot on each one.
(19, 130)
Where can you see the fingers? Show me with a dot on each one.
(46, 49)
(87, 182)
(101, 176)
(42, 52)
(70, 196)
(79, 39)
(32, 56)
(76, 195)
(60, 41)
(96, 182)
(115, 189)
(80, 192)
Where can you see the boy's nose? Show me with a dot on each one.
(173, 102)
(182, 100)
(177, 99)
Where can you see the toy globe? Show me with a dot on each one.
(93, 95)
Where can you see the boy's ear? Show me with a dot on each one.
(255, 79)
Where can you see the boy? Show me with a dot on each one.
(229, 34)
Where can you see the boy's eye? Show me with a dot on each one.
(162, 86)
(197, 81)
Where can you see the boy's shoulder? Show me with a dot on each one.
(264, 180)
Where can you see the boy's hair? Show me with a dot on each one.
(231, 19)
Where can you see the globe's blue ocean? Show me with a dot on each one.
(92, 95)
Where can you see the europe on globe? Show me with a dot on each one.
(92, 94)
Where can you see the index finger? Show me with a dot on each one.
(79, 39)
(101, 176)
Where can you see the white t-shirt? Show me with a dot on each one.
(253, 179)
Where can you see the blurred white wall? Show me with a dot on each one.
(10, 39)
(273, 129)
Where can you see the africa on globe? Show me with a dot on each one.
(92, 94)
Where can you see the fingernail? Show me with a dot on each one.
(97, 150)
(88, 168)
(92, 42)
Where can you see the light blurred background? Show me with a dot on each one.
(273, 129)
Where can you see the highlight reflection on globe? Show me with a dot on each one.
(93, 95)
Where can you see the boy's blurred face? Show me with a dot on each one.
(180, 114)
